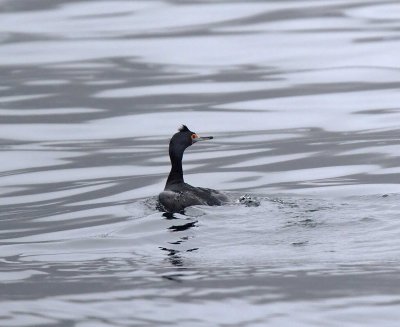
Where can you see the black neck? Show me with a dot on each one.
(176, 174)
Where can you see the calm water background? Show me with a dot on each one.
(303, 100)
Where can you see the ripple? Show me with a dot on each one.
(379, 12)
(192, 88)
(42, 112)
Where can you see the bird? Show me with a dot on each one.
(177, 194)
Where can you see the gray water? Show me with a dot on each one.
(302, 98)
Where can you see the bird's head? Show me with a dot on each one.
(185, 138)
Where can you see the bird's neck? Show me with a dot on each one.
(176, 174)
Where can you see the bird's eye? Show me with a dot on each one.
(194, 136)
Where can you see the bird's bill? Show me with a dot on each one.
(203, 138)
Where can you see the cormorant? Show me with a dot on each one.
(178, 195)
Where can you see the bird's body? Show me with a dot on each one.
(177, 197)
(177, 194)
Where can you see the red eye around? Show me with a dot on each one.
(194, 136)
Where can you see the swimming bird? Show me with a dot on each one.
(177, 194)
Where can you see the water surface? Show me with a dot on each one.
(302, 98)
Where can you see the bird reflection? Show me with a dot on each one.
(174, 255)
(169, 216)
(180, 228)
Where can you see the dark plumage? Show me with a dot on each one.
(178, 195)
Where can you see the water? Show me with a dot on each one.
(302, 98)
